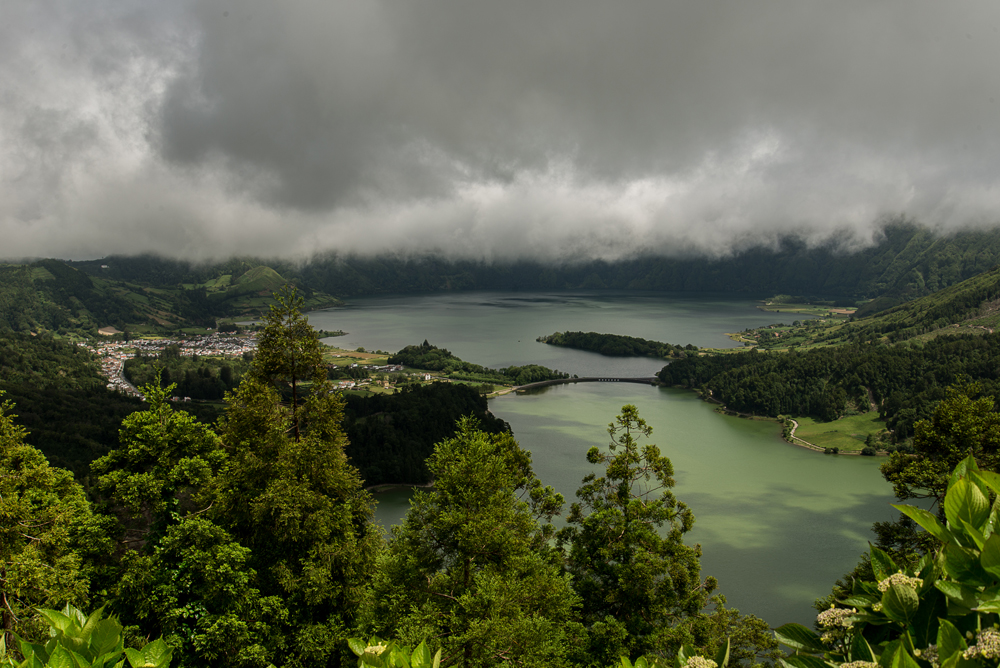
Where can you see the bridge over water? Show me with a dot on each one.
(652, 380)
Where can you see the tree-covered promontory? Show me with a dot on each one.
(616, 345)
(431, 358)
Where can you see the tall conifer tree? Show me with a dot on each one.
(289, 493)
(471, 570)
(640, 584)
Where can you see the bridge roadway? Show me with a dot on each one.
(652, 380)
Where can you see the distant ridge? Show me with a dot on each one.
(907, 261)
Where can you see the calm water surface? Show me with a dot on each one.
(499, 329)
(778, 524)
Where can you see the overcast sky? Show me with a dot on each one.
(490, 129)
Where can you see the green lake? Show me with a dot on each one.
(777, 524)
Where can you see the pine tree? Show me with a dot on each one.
(288, 351)
(289, 494)
(639, 583)
(471, 569)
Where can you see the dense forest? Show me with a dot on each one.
(199, 378)
(390, 437)
(616, 345)
(904, 380)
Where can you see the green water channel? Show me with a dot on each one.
(778, 524)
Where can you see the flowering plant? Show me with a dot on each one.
(942, 613)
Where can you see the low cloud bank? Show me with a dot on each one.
(560, 131)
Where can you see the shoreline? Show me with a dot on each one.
(796, 441)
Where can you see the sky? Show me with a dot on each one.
(554, 130)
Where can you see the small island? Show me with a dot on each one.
(616, 345)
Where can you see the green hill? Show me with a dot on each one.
(61, 298)
(258, 280)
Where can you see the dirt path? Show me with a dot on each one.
(795, 440)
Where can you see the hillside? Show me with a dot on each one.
(971, 306)
(64, 298)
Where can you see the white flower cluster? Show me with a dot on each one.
(930, 655)
(374, 651)
(836, 621)
(700, 662)
(987, 645)
(900, 579)
(859, 664)
(835, 618)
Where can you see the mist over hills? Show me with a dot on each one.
(907, 261)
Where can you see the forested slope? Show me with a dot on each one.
(62, 400)
(905, 380)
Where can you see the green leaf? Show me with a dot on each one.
(991, 479)
(950, 640)
(106, 636)
(989, 558)
(722, 656)
(91, 624)
(421, 657)
(961, 470)
(861, 601)
(799, 637)
(641, 662)
(902, 659)
(154, 655)
(978, 539)
(994, 521)
(988, 607)
(625, 662)
(437, 659)
(33, 649)
(900, 603)
(61, 658)
(927, 521)
(882, 563)
(56, 619)
(964, 501)
(357, 646)
(860, 649)
(958, 594)
(962, 564)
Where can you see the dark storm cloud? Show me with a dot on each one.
(564, 128)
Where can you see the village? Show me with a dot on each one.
(112, 354)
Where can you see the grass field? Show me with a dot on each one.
(847, 433)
